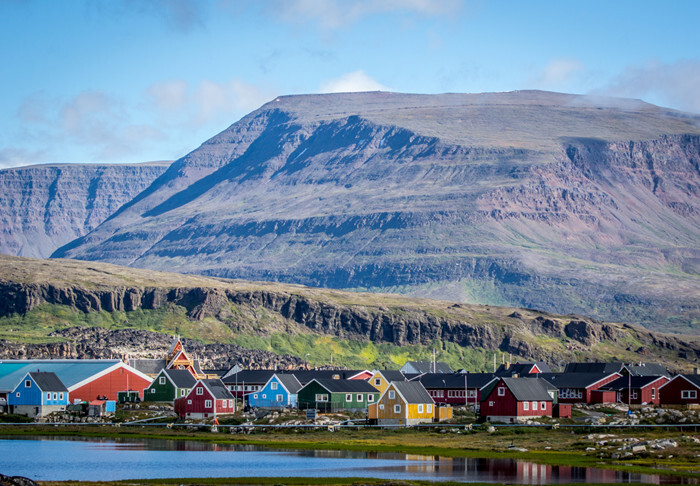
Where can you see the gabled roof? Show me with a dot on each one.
(174, 344)
(692, 379)
(258, 377)
(197, 367)
(523, 368)
(528, 388)
(575, 380)
(593, 368)
(217, 389)
(48, 381)
(289, 382)
(181, 378)
(426, 367)
(148, 366)
(392, 375)
(648, 369)
(412, 391)
(305, 376)
(624, 382)
(346, 386)
(454, 380)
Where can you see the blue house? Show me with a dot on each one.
(38, 394)
(280, 391)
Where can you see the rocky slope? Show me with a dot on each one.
(558, 202)
(26, 284)
(44, 207)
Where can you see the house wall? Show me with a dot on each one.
(671, 393)
(160, 393)
(385, 409)
(501, 406)
(33, 396)
(109, 385)
(382, 385)
(306, 398)
(267, 397)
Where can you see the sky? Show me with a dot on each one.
(128, 81)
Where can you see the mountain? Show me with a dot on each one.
(70, 308)
(565, 203)
(43, 207)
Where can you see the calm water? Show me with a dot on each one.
(61, 459)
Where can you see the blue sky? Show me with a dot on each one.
(115, 81)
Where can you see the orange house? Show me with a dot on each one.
(403, 403)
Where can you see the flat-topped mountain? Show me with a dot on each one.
(43, 207)
(559, 202)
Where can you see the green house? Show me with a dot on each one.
(337, 395)
(169, 385)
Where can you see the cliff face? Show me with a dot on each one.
(45, 207)
(531, 199)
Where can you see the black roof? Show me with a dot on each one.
(593, 367)
(347, 386)
(648, 369)
(392, 375)
(258, 377)
(290, 382)
(522, 368)
(413, 391)
(426, 367)
(48, 381)
(624, 382)
(305, 376)
(148, 366)
(694, 379)
(181, 378)
(217, 388)
(454, 380)
(573, 380)
(528, 388)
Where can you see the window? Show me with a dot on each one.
(634, 394)
(490, 404)
(207, 403)
(430, 408)
(377, 382)
(48, 396)
(348, 397)
(153, 390)
(370, 397)
(685, 394)
(526, 405)
(653, 393)
(279, 398)
(200, 390)
(273, 385)
(420, 408)
(392, 394)
(534, 405)
(501, 392)
(543, 405)
(230, 404)
(381, 406)
(397, 408)
(255, 396)
(321, 397)
(456, 394)
(189, 402)
(360, 398)
(28, 384)
(60, 396)
(472, 393)
(161, 380)
(183, 392)
(264, 395)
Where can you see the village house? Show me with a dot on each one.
(169, 385)
(517, 399)
(280, 391)
(403, 403)
(455, 388)
(381, 379)
(582, 387)
(208, 398)
(681, 390)
(637, 390)
(337, 395)
(245, 382)
(38, 394)
(523, 368)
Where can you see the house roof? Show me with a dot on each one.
(392, 375)
(181, 378)
(148, 366)
(692, 379)
(48, 381)
(412, 391)
(574, 380)
(528, 388)
(305, 376)
(249, 376)
(289, 382)
(624, 382)
(217, 388)
(346, 386)
(426, 367)
(454, 380)
(523, 368)
(593, 367)
(69, 371)
(648, 369)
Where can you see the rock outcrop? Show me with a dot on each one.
(43, 207)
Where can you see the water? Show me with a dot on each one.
(62, 459)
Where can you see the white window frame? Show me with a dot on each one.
(430, 408)
(200, 390)
(60, 396)
(255, 396)
(161, 380)
(501, 391)
(17, 394)
(370, 398)
(526, 406)
(490, 404)
(543, 405)
(397, 408)
(207, 404)
(273, 385)
(392, 394)
(27, 383)
(189, 402)
(279, 398)
(322, 397)
(381, 406)
(153, 390)
(348, 397)
(48, 395)
(534, 406)
(634, 394)
(360, 398)
(653, 393)
(377, 382)
(230, 404)
(689, 394)
(264, 396)
(420, 408)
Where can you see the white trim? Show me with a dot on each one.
(604, 378)
(679, 376)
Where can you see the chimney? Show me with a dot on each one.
(695, 370)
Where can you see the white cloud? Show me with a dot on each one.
(673, 84)
(558, 74)
(333, 14)
(16, 157)
(352, 82)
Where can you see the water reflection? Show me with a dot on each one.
(60, 458)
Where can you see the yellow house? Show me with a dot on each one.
(403, 403)
(381, 379)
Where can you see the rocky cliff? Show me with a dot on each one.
(545, 200)
(26, 284)
(44, 207)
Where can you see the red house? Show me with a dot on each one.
(637, 390)
(109, 382)
(580, 387)
(517, 399)
(681, 390)
(207, 399)
(455, 389)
